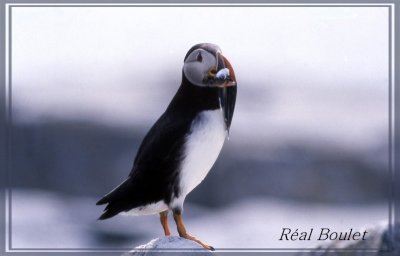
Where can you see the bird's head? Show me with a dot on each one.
(205, 66)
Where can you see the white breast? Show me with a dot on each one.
(202, 147)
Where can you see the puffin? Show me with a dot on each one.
(183, 144)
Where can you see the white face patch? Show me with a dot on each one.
(197, 65)
(202, 148)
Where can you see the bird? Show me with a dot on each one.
(183, 144)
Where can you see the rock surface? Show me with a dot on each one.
(172, 245)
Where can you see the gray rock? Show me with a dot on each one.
(171, 245)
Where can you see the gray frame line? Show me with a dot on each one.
(396, 118)
(3, 129)
(9, 126)
(200, 5)
(8, 119)
(390, 128)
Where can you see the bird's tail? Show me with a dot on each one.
(104, 200)
(115, 201)
(109, 212)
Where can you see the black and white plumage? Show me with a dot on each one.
(183, 144)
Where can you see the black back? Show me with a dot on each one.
(155, 172)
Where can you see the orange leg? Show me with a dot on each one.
(182, 231)
(164, 222)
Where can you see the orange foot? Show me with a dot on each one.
(182, 231)
(189, 237)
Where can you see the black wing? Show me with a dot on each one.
(155, 170)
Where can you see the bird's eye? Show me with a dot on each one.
(199, 58)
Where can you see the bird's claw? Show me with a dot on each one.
(205, 246)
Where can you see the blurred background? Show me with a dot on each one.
(308, 145)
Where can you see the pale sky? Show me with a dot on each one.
(122, 65)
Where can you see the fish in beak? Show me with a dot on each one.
(225, 78)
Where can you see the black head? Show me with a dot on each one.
(205, 67)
